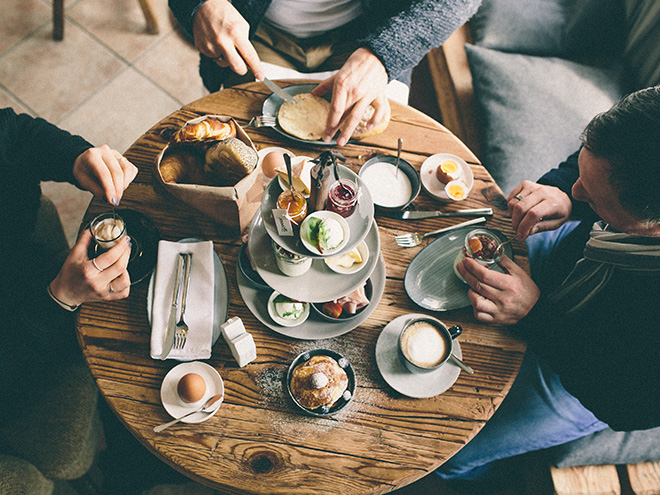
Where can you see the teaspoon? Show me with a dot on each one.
(208, 407)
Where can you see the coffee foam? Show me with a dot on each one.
(424, 345)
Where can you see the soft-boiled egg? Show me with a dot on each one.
(191, 388)
(271, 162)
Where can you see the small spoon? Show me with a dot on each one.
(287, 161)
(398, 156)
(207, 408)
(460, 364)
(341, 184)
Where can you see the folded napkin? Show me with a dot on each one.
(200, 304)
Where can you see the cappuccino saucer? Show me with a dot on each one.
(397, 376)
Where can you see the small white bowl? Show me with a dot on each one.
(433, 186)
(356, 267)
(282, 321)
(323, 214)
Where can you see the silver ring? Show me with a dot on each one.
(519, 197)
(219, 57)
(95, 265)
(112, 291)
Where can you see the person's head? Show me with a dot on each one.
(620, 164)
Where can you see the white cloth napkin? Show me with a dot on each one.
(200, 304)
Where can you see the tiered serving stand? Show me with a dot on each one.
(319, 283)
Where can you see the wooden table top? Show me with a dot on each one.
(258, 442)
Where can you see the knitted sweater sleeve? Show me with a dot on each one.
(402, 40)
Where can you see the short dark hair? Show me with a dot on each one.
(628, 136)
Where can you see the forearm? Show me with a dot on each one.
(402, 40)
(47, 151)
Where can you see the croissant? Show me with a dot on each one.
(208, 129)
(182, 168)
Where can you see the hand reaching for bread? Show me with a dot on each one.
(359, 83)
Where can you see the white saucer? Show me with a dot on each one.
(174, 406)
(397, 376)
(433, 186)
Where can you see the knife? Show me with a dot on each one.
(171, 323)
(418, 215)
(278, 91)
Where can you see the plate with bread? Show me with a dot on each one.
(304, 121)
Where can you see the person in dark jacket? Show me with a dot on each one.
(590, 311)
(40, 291)
(369, 42)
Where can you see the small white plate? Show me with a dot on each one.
(397, 376)
(433, 186)
(174, 406)
(355, 267)
(294, 161)
(281, 321)
(323, 215)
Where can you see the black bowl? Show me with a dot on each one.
(324, 411)
(246, 269)
(405, 167)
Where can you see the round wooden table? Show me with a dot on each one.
(259, 442)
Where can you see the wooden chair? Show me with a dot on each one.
(58, 18)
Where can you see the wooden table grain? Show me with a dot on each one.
(259, 443)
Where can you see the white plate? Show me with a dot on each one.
(430, 280)
(433, 186)
(315, 327)
(281, 321)
(271, 107)
(174, 406)
(306, 238)
(363, 249)
(359, 222)
(221, 298)
(319, 283)
(397, 376)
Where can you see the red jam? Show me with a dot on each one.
(342, 198)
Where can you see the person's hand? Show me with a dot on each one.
(536, 207)
(221, 33)
(499, 298)
(361, 80)
(105, 278)
(104, 172)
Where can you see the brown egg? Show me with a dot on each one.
(271, 162)
(191, 387)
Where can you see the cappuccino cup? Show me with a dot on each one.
(425, 344)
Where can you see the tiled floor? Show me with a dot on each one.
(108, 80)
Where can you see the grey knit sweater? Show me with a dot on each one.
(398, 32)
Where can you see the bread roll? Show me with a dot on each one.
(209, 129)
(305, 119)
(228, 161)
(361, 132)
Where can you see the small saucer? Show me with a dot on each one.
(174, 406)
(144, 238)
(248, 271)
(397, 376)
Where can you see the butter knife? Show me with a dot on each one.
(418, 215)
(278, 91)
(171, 323)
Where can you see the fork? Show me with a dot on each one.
(414, 239)
(181, 326)
(262, 121)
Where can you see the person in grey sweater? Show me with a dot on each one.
(381, 42)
